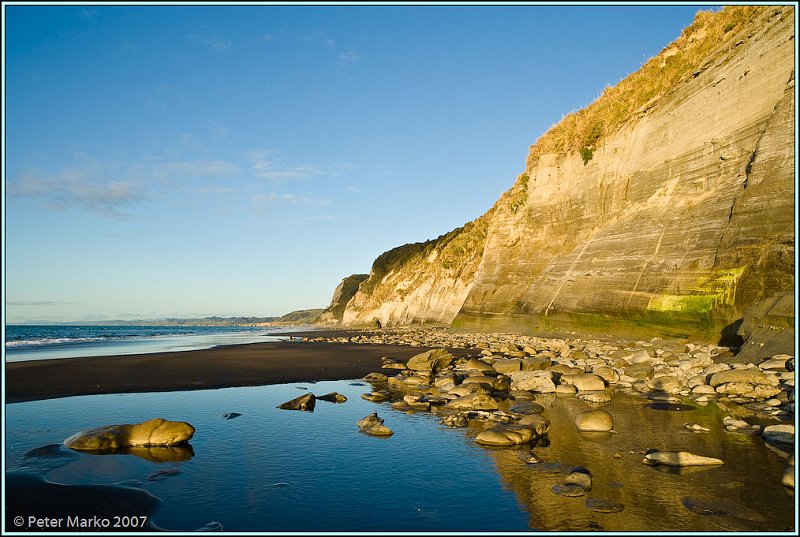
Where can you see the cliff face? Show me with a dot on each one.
(668, 218)
(341, 296)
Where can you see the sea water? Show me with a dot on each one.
(280, 470)
(46, 342)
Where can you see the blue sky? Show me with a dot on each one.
(218, 160)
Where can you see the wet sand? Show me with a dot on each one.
(255, 364)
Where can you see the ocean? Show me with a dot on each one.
(45, 342)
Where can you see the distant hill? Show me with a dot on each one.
(300, 317)
(294, 318)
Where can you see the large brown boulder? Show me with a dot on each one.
(433, 360)
(155, 432)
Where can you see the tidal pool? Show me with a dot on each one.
(278, 470)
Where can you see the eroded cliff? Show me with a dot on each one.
(666, 207)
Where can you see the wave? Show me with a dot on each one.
(52, 341)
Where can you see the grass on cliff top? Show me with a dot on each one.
(582, 131)
(458, 250)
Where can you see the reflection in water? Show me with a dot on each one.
(743, 494)
(180, 453)
(270, 470)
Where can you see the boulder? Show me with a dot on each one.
(475, 401)
(333, 397)
(416, 380)
(432, 360)
(507, 366)
(375, 377)
(595, 398)
(666, 384)
(768, 329)
(304, 402)
(744, 389)
(470, 388)
(782, 433)
(778, 362)
(749, 375)
(535, 364)
(373, 425)
(584, 382)
(579, 476)
(377, 397)
(566, 389)
(534, 381)
(506, 435)
(639, 371)
(594, 421)
(496, 383)
(678, 458)
(474, 364)
(155, 432)
(537, 422)
(606, 373)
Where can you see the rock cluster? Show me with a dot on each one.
(497, 368)
(658, 368)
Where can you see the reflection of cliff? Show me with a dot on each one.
(667, 204)
(747, 487)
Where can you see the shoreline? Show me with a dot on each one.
(253, 364)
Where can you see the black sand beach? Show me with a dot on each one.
(220, 367)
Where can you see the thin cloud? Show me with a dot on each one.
(198, 168)
(38, 303)
(77, 190)
(215, 43)
(218, 130)
(347, 58)
(262, 201)
(263, 165)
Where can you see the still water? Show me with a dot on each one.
(278, 470)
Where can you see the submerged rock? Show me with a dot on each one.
(304, 402)
(373, 425)
(594, 421)
(695, 428)
(231, 415)
(569, 489)
(604, 506)
(377, 397)
(678, 458)
(155, 432)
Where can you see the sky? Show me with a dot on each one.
(193, 160)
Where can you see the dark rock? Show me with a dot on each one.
(304, 402)
(768, 329)
(333, 397)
